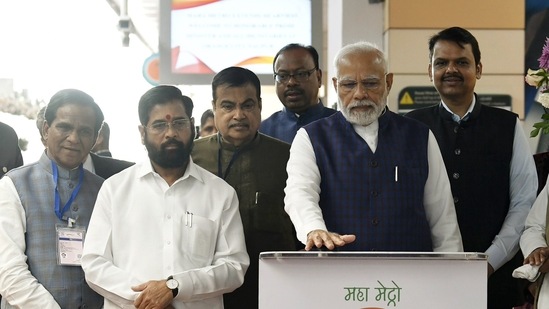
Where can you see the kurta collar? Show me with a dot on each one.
(63, 173)
(228, 146)
(472, 112)
(146, 168)
(314, 110)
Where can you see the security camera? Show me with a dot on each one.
(125, 27)
(124, 23)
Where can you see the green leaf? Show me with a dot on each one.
(534, 133)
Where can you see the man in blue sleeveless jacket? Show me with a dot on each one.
(297, 77)
(487, 157)
(369, 172)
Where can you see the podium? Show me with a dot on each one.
(372, 280)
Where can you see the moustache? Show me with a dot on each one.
(172, 143)
(452, 75)
(239, 124)
(293, 91)
(361, 103)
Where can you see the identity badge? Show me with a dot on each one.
(70, 243)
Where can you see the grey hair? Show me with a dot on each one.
(359, 48)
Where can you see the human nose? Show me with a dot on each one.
(238, 113)
(292, 80)
(452, 67)
(73, 137)
(170, 130)
(361, 91)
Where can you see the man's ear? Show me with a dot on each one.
(334, 82)
(142, 132)
(429, 69)
(319, 77)
(479, 70)
(45, 129)
(389, 81)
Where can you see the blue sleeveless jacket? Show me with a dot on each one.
(376, 196)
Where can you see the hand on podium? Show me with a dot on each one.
(330, 240)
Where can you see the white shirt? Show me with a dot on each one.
(533, 237)
(522, 189)
(142, 229)
(303, 191)
(88, 164)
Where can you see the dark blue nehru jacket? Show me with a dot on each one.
(376, 196)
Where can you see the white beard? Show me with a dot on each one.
(362, 117)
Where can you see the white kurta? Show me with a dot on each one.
(142, 229)
(533, 237)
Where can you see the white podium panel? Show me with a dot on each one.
(377, 280)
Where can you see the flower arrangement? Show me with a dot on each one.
(540, 79)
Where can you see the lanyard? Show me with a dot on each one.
(220, 166)
(73, 194)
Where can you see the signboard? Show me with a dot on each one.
(372, 280)
(414, 97)
(199, 38)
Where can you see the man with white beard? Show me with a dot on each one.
(367, 178)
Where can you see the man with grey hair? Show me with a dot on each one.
(374, 176)
(46, 207)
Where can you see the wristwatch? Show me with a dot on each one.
(173, 285)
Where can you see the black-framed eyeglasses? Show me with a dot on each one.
(300, 76)
(162, 126)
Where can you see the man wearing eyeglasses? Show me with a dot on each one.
(366, 178)
(254, 165)
(297, 79)
(165, 233)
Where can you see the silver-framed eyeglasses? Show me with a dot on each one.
(369, 84)
(160, 127)
(300, 76)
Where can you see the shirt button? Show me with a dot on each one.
(457, 151)
(71, 185)
(375, 221)
(169, 217)
(373, 163)
(456, 200)
(374, 193)
(4, 169)
(169, 242)
(455, 175)
(75, 208)
(456, 129)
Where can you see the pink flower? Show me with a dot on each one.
(540, 79)
(544, 58)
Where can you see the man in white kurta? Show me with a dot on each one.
(533, 242)
(165, 231)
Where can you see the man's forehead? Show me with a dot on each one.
(236, 94)
(294, 57)
(445, 46)
(72, 110)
